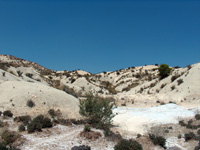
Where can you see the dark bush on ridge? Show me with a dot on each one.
(164, 71)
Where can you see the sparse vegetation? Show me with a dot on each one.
(98, 110)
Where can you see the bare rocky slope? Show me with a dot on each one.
(133, 86)
(22, 81)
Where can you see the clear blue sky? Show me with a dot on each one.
(101, 35)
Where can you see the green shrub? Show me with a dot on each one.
(30, 103)
(164, 71)
(98, 111)
(8, 113)
(158, 140)
(0, 113)
(128, 145)
(21, 128)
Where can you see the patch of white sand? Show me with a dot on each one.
(139, 120)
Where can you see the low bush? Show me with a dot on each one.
(163, 85)
(52, 113)
(189, 136)
(197, 147)
(197, 116)
(182, 123)
(98, 111)
(8, 113)
(9, 137)
(179, 136)
(29, 75)
(21, 128)
(0, 113)
(87, 128)
(190, 126)
(174, 77)
(25, 119)
(34, 126)
(81, 147)
(128, 145)
(2, 124)
(47, 123)
(172, 87)
(180, 81)
(30, 103)
(38, 123)
(158, 140)
(198, 132)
